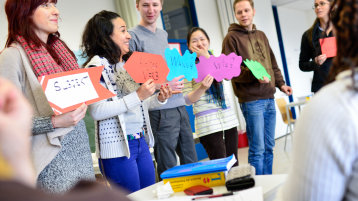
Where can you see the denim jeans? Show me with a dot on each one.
(132, 173)
(260, 116)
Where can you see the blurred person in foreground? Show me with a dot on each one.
(19, 182)
(325, 153)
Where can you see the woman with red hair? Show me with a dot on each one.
(60, 148)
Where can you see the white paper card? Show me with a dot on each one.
(69, 90)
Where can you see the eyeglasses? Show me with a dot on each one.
(321, 4)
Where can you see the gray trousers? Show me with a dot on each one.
(172, 134)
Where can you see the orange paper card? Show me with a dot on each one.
(69, 90)
(328, 46)
(142, 66)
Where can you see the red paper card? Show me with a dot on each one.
(328, 46)
(69, 90)
(142, 66)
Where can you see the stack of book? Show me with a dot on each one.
(208, 173)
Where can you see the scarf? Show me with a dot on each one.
(122, 83)
(215, 93)
(41, 60)
(125, 83)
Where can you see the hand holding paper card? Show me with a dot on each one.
(328, 46)
(68, 90)
(142, 66)
(257, 69)
(219, 67)
(181, 65)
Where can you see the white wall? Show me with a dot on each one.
(75, 14)
(3, 25)
(208, 19)
(293, 24)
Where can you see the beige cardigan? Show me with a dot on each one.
(15, 66)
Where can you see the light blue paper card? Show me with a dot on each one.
(181, 65)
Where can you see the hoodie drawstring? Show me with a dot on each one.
(260, 48)
(248, 35)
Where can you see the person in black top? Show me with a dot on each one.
(311, 57)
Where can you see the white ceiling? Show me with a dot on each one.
(295, 4)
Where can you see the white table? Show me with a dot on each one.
(269, 183)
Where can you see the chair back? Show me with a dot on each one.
(281, 104)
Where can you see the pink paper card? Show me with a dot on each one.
(328, 46)
(222, 67)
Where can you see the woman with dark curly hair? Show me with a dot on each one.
(325, 155)
(60, 147)
(123, 128)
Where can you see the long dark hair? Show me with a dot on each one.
(96, 38)
(345, 22)
(19, 15)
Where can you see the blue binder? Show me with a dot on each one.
(217, 165)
